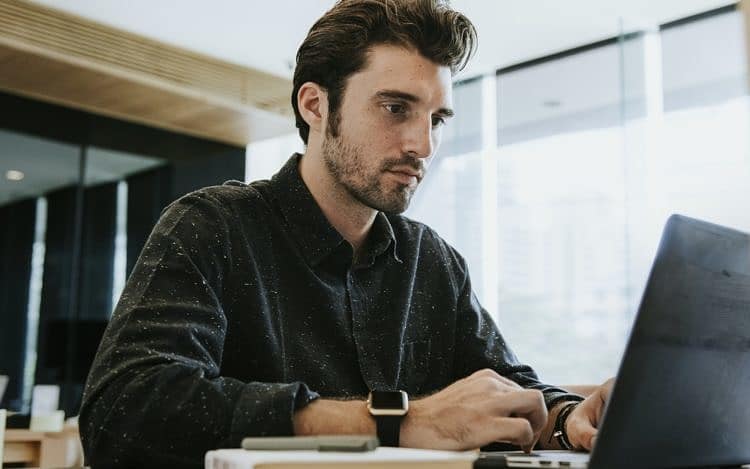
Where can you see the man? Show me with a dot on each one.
(275, 308)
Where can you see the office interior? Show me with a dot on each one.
(579, 129)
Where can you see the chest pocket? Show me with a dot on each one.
(415, 366)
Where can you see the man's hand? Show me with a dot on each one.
(480, 409)
(583, 422)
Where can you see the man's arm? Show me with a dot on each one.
(334, 417)
(470, 413)
(154, 396)
(547, 439)
(455, 419)
(583, 423)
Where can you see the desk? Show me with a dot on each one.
(39, 449)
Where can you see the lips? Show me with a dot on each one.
(409, 179)
(408, 172)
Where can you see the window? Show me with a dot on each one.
(562, 252)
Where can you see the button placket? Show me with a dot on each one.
(363, 338)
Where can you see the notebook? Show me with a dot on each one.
(680, 396)
(380, 458)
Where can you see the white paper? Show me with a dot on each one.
(244, 459)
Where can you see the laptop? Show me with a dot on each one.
(680, 398)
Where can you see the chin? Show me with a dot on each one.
(395, 212)
(395, 208)
(397, 203)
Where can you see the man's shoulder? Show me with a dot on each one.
(233, 190)
(213, 207)
(228, 195)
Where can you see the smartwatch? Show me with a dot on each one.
(388, 408)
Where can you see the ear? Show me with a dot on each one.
(312, 101)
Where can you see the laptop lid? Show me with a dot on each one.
(680, 396)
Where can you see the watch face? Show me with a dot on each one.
(388, 400)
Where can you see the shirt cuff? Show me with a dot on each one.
(551, 399)
(267, 409)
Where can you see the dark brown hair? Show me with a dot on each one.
(336, 46)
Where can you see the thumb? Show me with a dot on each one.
(581, 434)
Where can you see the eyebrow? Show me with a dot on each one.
(393, 94)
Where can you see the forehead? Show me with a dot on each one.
(391, 67)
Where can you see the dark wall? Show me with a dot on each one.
(195, 162)
(15, 269)
(76, 296)
(148, 193)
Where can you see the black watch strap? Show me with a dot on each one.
(389, 429)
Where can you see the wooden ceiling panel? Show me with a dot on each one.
(64, 59)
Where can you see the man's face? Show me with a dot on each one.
(389, 127)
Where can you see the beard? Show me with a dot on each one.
(347, 163)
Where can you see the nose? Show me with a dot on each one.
(419, 138)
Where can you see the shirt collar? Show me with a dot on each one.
(381, 237)
(312, 231)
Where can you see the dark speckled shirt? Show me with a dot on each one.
(246, 304)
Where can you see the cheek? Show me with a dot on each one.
(367, 132)
(376, 136)
(380, 141)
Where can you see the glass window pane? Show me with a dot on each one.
(34, 272)
(704, 61)
(579, 91)
(563, 285)
(694, 159)
(463, 134)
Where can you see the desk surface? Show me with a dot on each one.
(43, 449)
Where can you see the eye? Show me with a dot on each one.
(438, 121)
(395, 108)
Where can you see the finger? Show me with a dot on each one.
(581, 433)
(528, 449)
(607, 388)
(604, 392)
(513, 430)
(527, 403)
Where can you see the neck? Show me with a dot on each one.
(350, 217)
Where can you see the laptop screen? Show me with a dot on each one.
(679, 399)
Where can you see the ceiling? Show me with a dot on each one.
(265, 35)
